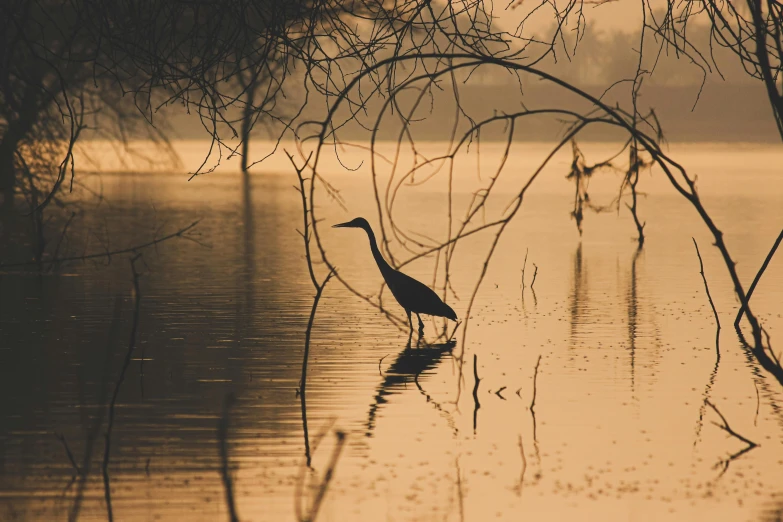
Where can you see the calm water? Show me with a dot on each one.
(626, 342)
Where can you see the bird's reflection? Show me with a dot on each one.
(409, 366)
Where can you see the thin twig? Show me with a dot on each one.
(724, 464)
(706, 288)
(758, 276)
(524, 467)
(319, 288)
(535, 273)
(319, 291)
(774, 356)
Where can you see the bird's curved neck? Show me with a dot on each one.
(376, 253)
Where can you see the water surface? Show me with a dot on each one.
(626, 340)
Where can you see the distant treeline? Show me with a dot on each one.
(602, 57)
(720, 111)
(693, 103)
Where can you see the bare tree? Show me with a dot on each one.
(752, 30)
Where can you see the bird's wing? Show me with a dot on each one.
(414, 295)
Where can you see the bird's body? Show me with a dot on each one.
(412, 295)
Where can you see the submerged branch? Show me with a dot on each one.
(758, 276)
(724, 464)
(225, 472)
(535, 378)
(476, 403)
(120, 379)
(706, 288)
(319, 288)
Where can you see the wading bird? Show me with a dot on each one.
(412, 295)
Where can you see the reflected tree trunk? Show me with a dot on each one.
(249, 247)
(247, 121)
(579, 297)
(633, 318)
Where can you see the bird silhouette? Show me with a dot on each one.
(412, 295)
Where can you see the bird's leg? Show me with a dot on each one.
(421, 326)
(410, 323)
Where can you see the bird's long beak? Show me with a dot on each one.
(341, 225)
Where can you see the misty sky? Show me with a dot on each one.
(617, 15)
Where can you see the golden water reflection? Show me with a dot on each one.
(626, 341)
